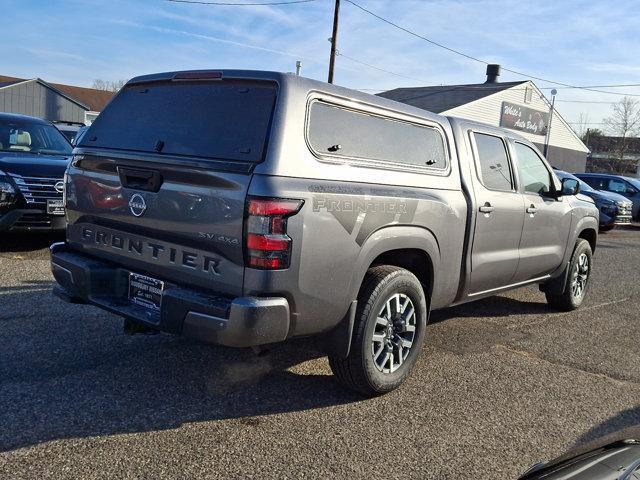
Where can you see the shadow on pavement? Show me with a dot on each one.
(624, 425)
(68, 371)
(498, 306)
(27, 242)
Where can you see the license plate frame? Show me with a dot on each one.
(55, 207)
(146, 291)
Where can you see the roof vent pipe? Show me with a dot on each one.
(493, 72)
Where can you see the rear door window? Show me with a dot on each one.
(595, 182)
(617, 186)
(534, 174)
(226, 119)
(339, 132)
(493, 162)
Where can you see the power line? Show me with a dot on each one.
(378, 68)
(239, 4)
(584, 101)
(618, 85)
(475, 59)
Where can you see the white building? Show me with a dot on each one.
(52, 101)
(519, 106)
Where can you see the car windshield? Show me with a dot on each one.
(633, 181)
(584, 186)
(19, 136)
(70, 134)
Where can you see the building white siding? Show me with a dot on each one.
(488, 110)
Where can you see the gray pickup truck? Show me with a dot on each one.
(246, 208)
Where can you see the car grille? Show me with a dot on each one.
(624, 209)
(33, 220)
(37, 190)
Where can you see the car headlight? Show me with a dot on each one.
(609, 206)
(7, 191)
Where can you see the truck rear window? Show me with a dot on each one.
(219, 120)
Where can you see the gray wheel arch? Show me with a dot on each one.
(587, 228)
(398, 238)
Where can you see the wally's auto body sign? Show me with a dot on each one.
(517, 117)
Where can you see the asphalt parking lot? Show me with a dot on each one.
(502, 384)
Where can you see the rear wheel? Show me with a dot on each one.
(577, 280)
(388, 333)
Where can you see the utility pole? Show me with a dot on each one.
(334, 41)
(298, 67)
(546, 140)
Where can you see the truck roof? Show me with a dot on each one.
(298, 85)
(293, 84)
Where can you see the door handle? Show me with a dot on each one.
(487, 208)
(138, 179)
(532, 209)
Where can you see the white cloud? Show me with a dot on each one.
(54, 54)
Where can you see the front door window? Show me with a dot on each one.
(533, 173)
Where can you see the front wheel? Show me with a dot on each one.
(577, 284)
(389, 329)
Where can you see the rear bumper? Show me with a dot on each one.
(30, 219)
(234, 322)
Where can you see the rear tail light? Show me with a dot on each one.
(268, 246)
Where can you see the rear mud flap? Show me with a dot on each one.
(337, 342)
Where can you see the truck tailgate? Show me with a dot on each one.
(188, 231)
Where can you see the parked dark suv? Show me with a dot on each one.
(33, 158)
(614, 208)
(625, 186)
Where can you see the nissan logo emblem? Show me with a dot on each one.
(59, 186)
(137, 205)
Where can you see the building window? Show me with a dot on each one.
(528, 93)
(89, 117)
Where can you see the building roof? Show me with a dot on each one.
(441, 98)
(92, 98)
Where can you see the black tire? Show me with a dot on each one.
(359, 371)
(570, 300)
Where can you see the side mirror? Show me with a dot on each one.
(570, 186)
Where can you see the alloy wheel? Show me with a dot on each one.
(580, 276)
(394, 333)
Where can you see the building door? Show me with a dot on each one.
(500, 216)
(547, 220)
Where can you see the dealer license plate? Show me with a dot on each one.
(146, 291)
(55, 207)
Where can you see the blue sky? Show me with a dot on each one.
(575, 42)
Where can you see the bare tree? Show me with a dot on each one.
(624, 122)
(582, 125)
(108, 85)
